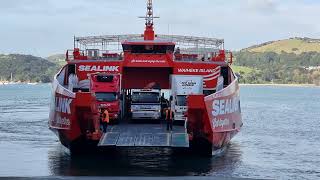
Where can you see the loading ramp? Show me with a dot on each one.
(144, 135)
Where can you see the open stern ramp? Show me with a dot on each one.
(144, 135)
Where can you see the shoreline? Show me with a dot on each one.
(12, 83)
(282, 85)
(267, 84)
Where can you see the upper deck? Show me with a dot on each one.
(134, 46)
(149, 57)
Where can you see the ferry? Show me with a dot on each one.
(136, 77)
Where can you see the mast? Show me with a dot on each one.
(149, 30)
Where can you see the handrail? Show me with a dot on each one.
(105, 39)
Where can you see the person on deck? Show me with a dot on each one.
(169, 118)
(177, 51)
(105, 119)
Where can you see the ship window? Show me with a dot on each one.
(225, 74)
(71, 69)
(104, 78)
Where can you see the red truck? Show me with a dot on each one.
(106, 88)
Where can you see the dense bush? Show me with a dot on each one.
(26, 68)
(268, 67)
(284, 68)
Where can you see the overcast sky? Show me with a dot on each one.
(45, 27)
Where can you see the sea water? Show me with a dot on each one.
(280, 139)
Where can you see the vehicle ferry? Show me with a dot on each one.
(135, 77)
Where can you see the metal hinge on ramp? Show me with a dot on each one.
(179, 140)
(109, 139)
(144, 139)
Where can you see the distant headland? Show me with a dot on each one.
(289, 61)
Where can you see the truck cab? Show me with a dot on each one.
(182, 86)
(106, 88)
(146, 104)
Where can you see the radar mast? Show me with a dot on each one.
(149, 31)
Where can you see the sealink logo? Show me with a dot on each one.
(99, 68)
(63, 105)
(225, 106)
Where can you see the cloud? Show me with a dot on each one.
(43, 27)
(25, 6)
(264, 6)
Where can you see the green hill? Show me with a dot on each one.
(291, 61)
(26, 68)
(59, 59)
(295, 60)
(292, 45)
(242, 69)
(56, 58)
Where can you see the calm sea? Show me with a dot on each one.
(280, 139)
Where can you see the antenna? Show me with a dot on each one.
(149, 15)
(149, 32)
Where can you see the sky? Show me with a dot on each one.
(46, 27)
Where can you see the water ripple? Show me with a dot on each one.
(279, 140)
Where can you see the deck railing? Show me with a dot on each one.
(92, 54)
